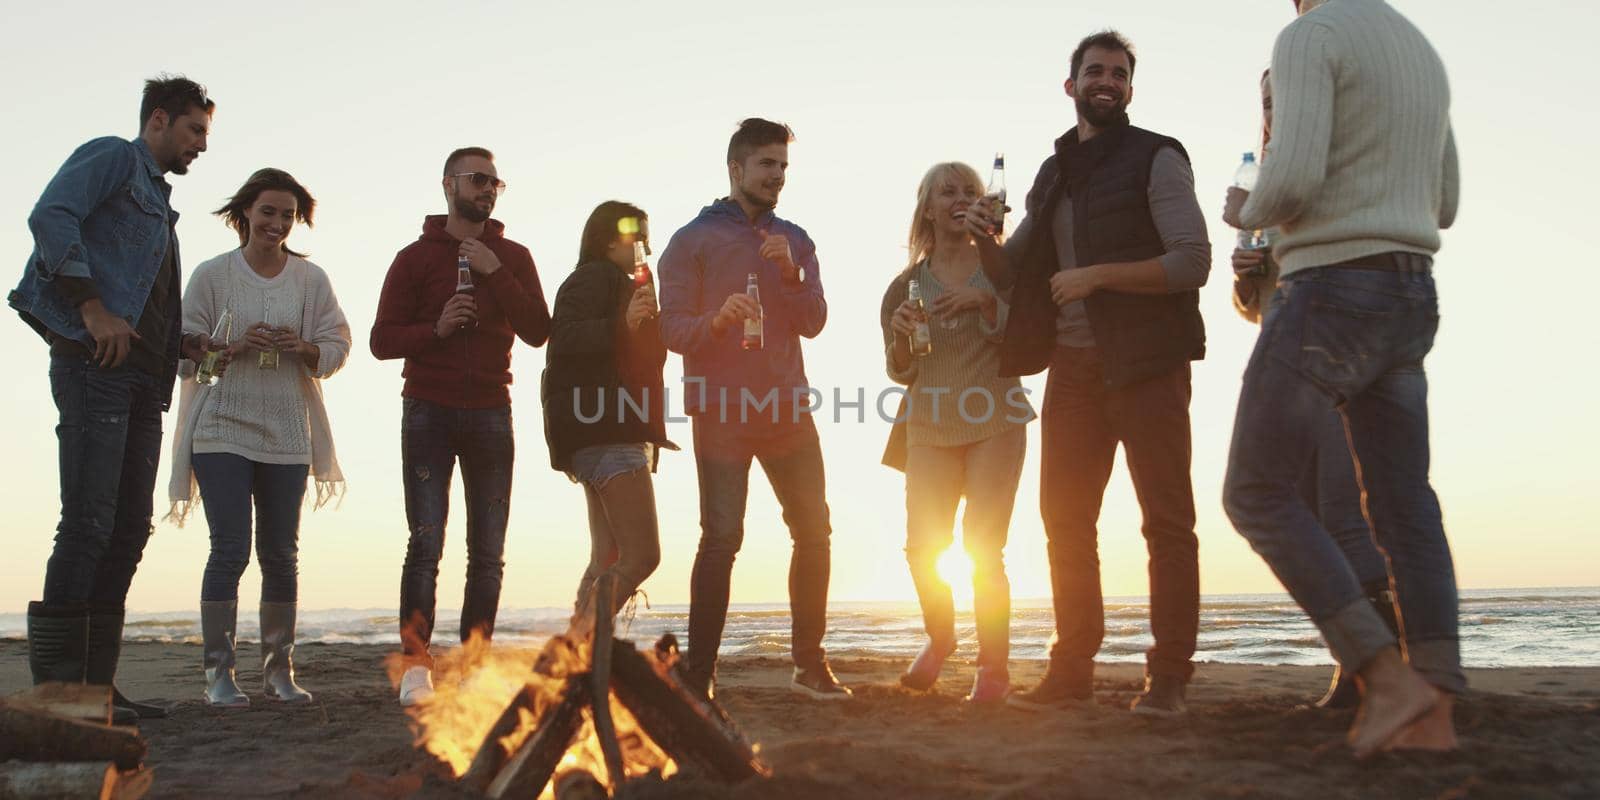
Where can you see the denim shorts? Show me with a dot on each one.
(598, 464)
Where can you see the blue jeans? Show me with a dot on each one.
(1330, 488)
(1354, 340)
(228, 485)
(110, 448)
(791, 455)
(432, 438)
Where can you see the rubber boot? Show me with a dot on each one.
(58, 639)
(105, 647)
(217, 623)
(277, 653)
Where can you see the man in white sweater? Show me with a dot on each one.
(1362, 176)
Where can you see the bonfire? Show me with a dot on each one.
(592, 713)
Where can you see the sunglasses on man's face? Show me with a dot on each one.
(483, 180)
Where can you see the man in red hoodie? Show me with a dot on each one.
(454, 331)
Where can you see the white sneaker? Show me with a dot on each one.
(416, 685)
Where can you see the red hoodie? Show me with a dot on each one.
(471, 368)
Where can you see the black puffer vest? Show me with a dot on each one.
(1139, 336)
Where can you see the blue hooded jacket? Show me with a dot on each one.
(710, 259)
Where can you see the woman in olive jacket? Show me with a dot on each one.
(604, 400)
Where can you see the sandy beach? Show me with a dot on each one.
(1531, 732)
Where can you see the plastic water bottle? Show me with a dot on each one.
(1245, 178)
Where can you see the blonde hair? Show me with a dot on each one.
(920, 242)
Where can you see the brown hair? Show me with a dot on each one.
(753, 134)
(235, 212)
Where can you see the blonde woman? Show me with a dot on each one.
(247, 442)
(963, 428)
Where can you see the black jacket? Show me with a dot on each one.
(596, 367)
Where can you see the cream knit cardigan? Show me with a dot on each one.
(323, 324)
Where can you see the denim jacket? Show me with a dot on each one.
(106, 216)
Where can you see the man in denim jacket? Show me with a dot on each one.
(102, 288)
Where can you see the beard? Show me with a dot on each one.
(467, 208)
(760, 200)
(1100, 117)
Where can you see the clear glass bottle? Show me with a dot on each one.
(754, 329)
(268, 359)
(997, 192)
(921, 336)
(207, 371)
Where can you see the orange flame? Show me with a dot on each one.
(473, 685)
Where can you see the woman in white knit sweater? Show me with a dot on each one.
(248, 441)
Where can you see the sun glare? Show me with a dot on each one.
(955, 569)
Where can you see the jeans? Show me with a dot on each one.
(1083, 422)
(1329, 487)
(110, 447)
(228, 485)
(791, 456)
(1354, 340)
(624, 537)
(432, 438)
(986, 473)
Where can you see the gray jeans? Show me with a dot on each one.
(986, 473)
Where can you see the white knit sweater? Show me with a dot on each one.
(1363, 159)
(265, 415)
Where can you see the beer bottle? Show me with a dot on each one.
(268, 359)
(754, 329)
(207, 370)
(921, 337)
(641, 267)
(997, 193)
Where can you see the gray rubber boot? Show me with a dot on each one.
(277, 653)
(218, 619)
(58, 639)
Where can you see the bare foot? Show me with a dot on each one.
(1433, 732)
(1393, 696)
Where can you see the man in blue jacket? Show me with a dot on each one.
(750, 398)
(102, 288)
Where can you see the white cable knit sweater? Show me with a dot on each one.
(265, 415)
(1362, 159)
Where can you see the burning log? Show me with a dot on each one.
(526, 774)
(21, 780)
(71, 700)
(580, 785)
(605, 729)
(680, 721)
(27, 734)
(498, 744)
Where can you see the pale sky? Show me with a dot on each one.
(635, 101)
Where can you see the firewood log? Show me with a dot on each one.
(71, 700)
(29, 735)
(682, 723)
(492, 754)
(22, 780)
(578, 784)
(526, 774)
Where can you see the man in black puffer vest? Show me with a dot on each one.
(1105, 271)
